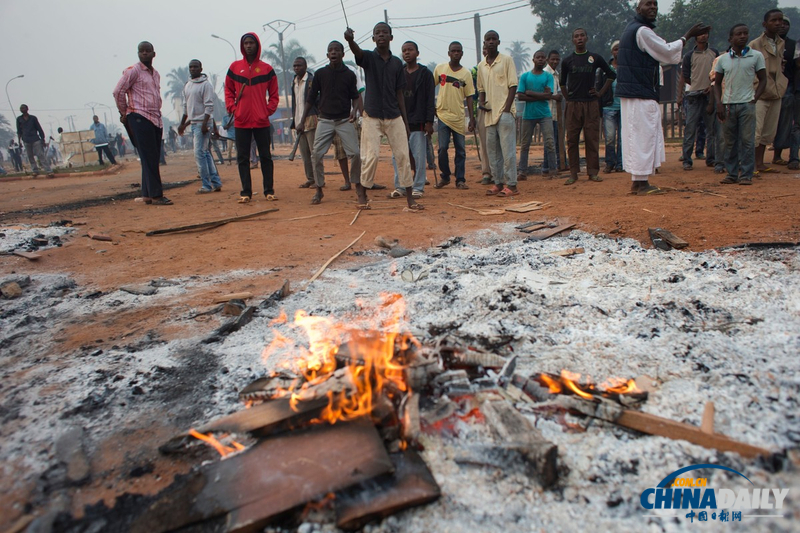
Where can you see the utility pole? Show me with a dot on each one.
(278, 24)
(386, 16)
(478, 41)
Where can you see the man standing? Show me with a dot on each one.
(14, 152)
(455, 86)
(101, 140)
(788, 130)
(583, 108)
(553, 60)
(695, 67)
(419, 97)
(384, 110)
(641, 53)
(768, 107)
(198, 108)
(536, 89)
(248, 84)
(333, 91)
(497, 86)
(138, 98)
(301, 86)
(31, 135)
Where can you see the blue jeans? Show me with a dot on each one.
(501, 146)
(202, 156)
(528, 125)
(459, 142)
(612, 129)
(545, 165)
(418, 148)
(739, 131)
(696, 112)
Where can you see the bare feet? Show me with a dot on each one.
(361, 194)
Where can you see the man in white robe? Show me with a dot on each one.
(638, 83)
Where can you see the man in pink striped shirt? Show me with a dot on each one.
(138, 98)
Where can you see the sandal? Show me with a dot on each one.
(494, 190)
(364, 207)
(417, 194)
(729, 180)
(794, 165)
(345, 187)
(307, 185)
(780, 162)
(397, 193)
(770, 170)
(244, 200)
(507, 192)
(462, 185)
(162, 201)
(271, 197)
(415, 207)
(650, 189)
(595, 178)
(571, 180)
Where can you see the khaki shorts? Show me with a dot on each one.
(338, 149)
(767, 114)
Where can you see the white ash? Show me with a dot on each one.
(710, 326)
(19, 237)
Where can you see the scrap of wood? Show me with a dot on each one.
(568, 252)
(651, 212)
(312, 216)
(480, 211)
(275, 475)
(536, 227)
(332, 259)
(529, 224)
(262, 419)
(525, 207)
(99, 237)
(707, 424)
(783, 196)
(233, 296)
(410, 485)
(549, 233)
(657, 241)
(358, 212)
(208, 225)
(670, 238)
(30, 256)
(232, 325)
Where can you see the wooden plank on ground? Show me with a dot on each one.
(233, 296)
(549, 233)
(274, 476)
(536, 227)
(411, 484)
(208, 225)
(30, 256)
(657, 241)
(671, 239)
(529, 224)
(525, 209)
(568, 252)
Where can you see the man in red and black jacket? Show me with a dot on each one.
(248, 84)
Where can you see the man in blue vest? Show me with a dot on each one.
(639, 75)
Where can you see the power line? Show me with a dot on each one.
(460, 12)
(459, 20)
(351, 14)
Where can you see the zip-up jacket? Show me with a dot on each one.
(252, 110)
(776, 81)
(422, 107)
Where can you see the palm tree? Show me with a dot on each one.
(177, 78)
(520, 54)
(291, 51)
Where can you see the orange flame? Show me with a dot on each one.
(372, 368)
(222, 449)
(554, 386)
(570, 380)
(620, 386)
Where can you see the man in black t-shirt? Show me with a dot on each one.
(583, 106)
(333, 89)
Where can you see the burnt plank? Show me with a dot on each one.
(657, 241)
(670, 238)
(272, 477)
(550, 232)
(411, 484)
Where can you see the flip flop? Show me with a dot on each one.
(780, 162)
(571, 180)
(364, 207)
(494, 191)
(244, 200)
(397, 193)
(770, 170)
(650, 189)
(416, 208)
(506, 192)
(271, 198)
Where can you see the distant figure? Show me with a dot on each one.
(251, 95)
(101, 140)
(553, 60)
(537, 89)
(15, 153)
(301, 86)
(32, 136)
(198, 107)
(120, 140)
(138, 98)
(173, 139)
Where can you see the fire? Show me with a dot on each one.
(368, 357)
(217, 445)
(571, 381)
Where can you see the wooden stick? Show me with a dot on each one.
(310, 216)
(568, 252)
(358, 212)
(707, 425)
(329, 261)
(208, 225)
(233, 296)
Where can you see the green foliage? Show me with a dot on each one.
(603, 22)
(291, 50)
(720, 14)
(521, 55)
(176, 80)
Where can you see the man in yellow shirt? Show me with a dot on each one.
(455, 86)
(497, 87)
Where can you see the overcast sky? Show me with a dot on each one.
(73, 53)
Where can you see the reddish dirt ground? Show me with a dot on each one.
(295, 241)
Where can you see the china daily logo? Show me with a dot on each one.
(692, 498)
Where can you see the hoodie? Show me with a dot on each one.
(251, 109)
(198, 98)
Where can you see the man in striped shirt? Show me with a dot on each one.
(138, 98)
